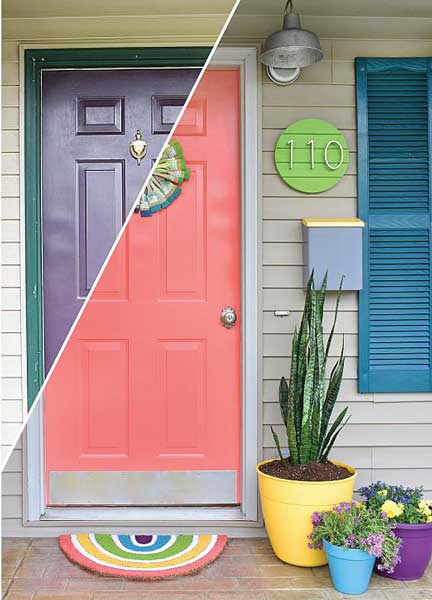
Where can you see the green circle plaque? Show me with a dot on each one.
(311, 155)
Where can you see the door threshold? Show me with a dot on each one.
(165, 514)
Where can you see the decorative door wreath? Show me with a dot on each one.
(165, 184)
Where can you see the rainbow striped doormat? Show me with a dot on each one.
(142, 556)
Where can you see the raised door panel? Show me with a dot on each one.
(165, 110)
(100, 193)
(104, 391)
(182, 398)
(194, 120)
(99, 115)
(182, 241)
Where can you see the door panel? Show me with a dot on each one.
(100, 213)
(89, 179)
(104, 369)
(182, 274)
(147, 395)
(100, 115)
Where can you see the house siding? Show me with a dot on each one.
(11, 388)
(389, 436)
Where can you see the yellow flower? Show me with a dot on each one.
(382, 493)
(424, 504)
(391, 509)
(429, 519)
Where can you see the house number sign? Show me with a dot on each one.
(311, 155)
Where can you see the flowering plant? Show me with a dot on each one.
(399, 504)
(354, 525)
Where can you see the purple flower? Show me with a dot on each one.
(373, 544)
(350, 541)
(342, 507)
(316, 518)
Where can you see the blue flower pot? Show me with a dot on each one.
(350, 569)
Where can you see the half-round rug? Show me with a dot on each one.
(142, 556)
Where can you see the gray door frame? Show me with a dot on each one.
(35, 511)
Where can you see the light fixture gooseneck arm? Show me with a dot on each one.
(288, 5)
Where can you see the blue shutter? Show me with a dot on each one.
(394, 184)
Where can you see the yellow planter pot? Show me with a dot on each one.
(288, 506)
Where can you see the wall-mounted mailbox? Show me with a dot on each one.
(334, 246)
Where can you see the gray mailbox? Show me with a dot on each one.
(334, 246)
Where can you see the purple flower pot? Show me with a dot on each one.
(415, 552)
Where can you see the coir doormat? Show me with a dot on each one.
(142, 556)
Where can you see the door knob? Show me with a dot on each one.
(228, 317)
(138, 147)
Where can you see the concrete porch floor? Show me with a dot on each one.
(36, 569)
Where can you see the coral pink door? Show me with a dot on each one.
(144, 407)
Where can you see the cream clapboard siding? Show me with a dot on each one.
(114, 29)
(12, 494)
(390, 435)
(11, 385)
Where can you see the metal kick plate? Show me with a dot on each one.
(143, 488)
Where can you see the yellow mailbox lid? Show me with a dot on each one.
(333, 223)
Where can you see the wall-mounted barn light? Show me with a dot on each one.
(289, 50)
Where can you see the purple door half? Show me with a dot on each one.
(90, 181)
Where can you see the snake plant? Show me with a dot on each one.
(307, 403)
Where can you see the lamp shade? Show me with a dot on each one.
(291, 48)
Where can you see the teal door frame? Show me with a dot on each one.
(36, 61)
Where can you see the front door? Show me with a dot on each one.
(144, 407)
(89, 178)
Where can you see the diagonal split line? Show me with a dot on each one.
(119, 236)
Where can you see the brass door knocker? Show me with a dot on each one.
(138, 147)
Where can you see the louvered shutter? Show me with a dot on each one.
(394, 182)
